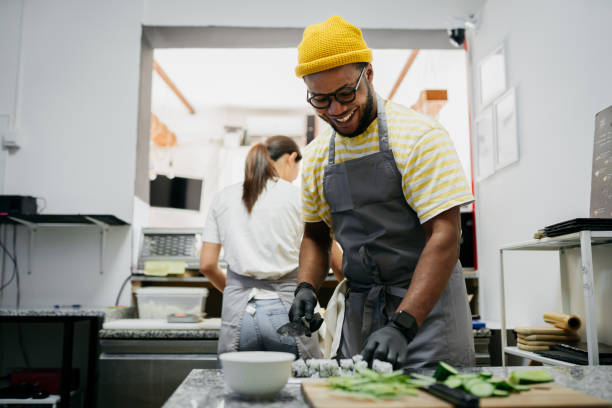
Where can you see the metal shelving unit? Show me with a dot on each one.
(33, 222)
(583, 240)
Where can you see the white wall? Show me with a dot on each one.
(557, 57)
(77, 106)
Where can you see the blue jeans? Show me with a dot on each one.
(258, 332)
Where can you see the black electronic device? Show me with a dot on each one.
(17, 205)
(178, 192)
(467, 249)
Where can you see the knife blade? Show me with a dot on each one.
(454, 396)
(302, 327)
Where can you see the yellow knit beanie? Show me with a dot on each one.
(330, 44)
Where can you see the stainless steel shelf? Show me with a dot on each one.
(536, 357)
(143, 278)
(35, 221)
(560, 242)
(136, 278)
(584, 240)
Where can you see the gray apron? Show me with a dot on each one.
(382, 239)
(235, 299)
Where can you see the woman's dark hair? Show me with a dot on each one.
(259, 166)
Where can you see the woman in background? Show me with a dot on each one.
(258, 224)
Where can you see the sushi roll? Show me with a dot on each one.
(357, 358)
(382, 366)
(322, 368)
(314, 366)
(299, 368)
(347, 364)
(328, 368)
(360, 365)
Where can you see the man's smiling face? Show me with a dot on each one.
(348, 118)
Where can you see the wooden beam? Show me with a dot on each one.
(407, 66)
(169, 82)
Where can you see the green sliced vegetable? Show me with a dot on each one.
(530, 377)
(372, 385)
(468, 384)
(486, 374)
(453, 382)
(444, 370)
(500, 393)
(482, 389)
(502, 384)
(424, 378)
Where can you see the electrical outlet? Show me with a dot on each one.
(10, 139)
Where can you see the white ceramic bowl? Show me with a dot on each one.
(256, 373)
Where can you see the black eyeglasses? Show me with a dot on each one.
(343, 95)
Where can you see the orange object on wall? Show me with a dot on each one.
(431, 101)
(160, 134)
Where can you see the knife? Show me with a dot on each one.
(454, 396)
(302, 327)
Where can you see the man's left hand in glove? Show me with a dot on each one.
(390, 343)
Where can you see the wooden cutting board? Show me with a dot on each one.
(319, 395)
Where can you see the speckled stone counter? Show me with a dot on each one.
(108, 313)
(52, 312)
(206, 388)
(204, 334)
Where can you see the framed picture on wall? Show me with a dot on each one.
(506, 130)
(485, 144)
(492, 75)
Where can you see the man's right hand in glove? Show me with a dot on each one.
(303, 306)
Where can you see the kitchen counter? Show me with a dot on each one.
(206, 388)
(199, 334)
(208, 329)
(49, 311)
(107, 313)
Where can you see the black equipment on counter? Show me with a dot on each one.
(578, 224)
(17, 205)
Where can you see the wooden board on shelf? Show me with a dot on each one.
(319, 395)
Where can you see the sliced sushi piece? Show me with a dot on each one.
(382, 366)
(328, 368)
(360, 365)
(299, 368)
(347, 364)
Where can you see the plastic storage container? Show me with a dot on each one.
(159, 302)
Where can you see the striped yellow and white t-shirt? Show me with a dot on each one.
(432, 177)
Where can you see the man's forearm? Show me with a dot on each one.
(434, 268)
(314, 254)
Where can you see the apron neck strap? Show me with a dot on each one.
(383, 135)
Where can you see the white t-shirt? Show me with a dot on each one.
(264, 244)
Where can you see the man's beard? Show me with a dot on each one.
(365, 119)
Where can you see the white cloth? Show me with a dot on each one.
(264, 244)
(334, 318)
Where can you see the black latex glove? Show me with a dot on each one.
(303, 306)
(389, 343)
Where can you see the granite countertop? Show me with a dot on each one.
(186, 334)
(106, 312)
(206, 388)
(50, 311)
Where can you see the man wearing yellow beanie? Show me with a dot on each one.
(387, 184)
